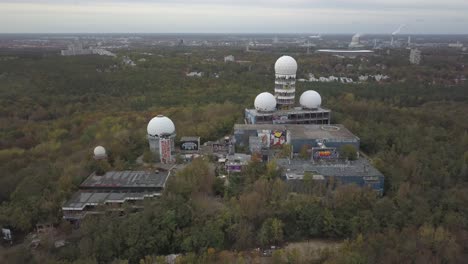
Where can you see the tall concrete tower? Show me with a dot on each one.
(161, 135)
(285, 82)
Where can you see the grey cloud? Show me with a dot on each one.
(342, 16)
(461, 5)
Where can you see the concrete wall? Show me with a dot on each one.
(378, 186)
(298, 143)
(242, 139)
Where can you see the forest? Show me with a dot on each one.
(54, 110)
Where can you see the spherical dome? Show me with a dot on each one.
(286, 65)
(265, 102)
(310, 99)
(99, 151)
(160, 125)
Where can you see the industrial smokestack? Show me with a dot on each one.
(398, 30)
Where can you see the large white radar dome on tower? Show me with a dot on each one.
(160, 125)
(286, 65)
(310, 99)
(265, 102)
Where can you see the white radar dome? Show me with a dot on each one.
(160, 125)
(286, 65)
(99, 151)
(310, 99)
(265, 102)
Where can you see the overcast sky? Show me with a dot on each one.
(233, 16)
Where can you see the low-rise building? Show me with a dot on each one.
(297, 115)
(114, 191)
(237, 162)
(359, 172)
(194, 74)
(270, 136)
(229, 58)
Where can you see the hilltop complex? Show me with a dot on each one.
(299, 138)
(280, 108)
(316, 147)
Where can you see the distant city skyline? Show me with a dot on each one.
(241, 16)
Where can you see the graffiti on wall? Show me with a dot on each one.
(277, 138)
(165, 150)
(220, 148)
(324, 153)
(189, 145)
(264, 136)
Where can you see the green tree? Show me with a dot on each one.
(348, 152)
(271, 232)
(304, 152)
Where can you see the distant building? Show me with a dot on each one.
(346, 80)
(103, 52)
(229, 58)
(380, 77)
(346, 53)
(457, 45)
(194, 74)
(324, 79)
(77, 50)
(363, 78)
(415, 56)
(127, 61)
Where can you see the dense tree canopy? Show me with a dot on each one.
(54, 110)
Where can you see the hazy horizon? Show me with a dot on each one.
(239, 17)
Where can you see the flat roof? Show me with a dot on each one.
(300, 131)
(127, 179)
(296, 110)
(360, 167)
(238, 158)
(189, 138)
(81, 199)
(344, 51)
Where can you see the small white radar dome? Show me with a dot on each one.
(286, 65)
(310, 99)
(160, 125)
(99, 151)
(265, 102)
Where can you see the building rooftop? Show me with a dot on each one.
(81, 199)
(297, 131)
(296, 168)
(238, 158)
(295, 110)
(127, 179)
(189, 138)
(345, 51)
